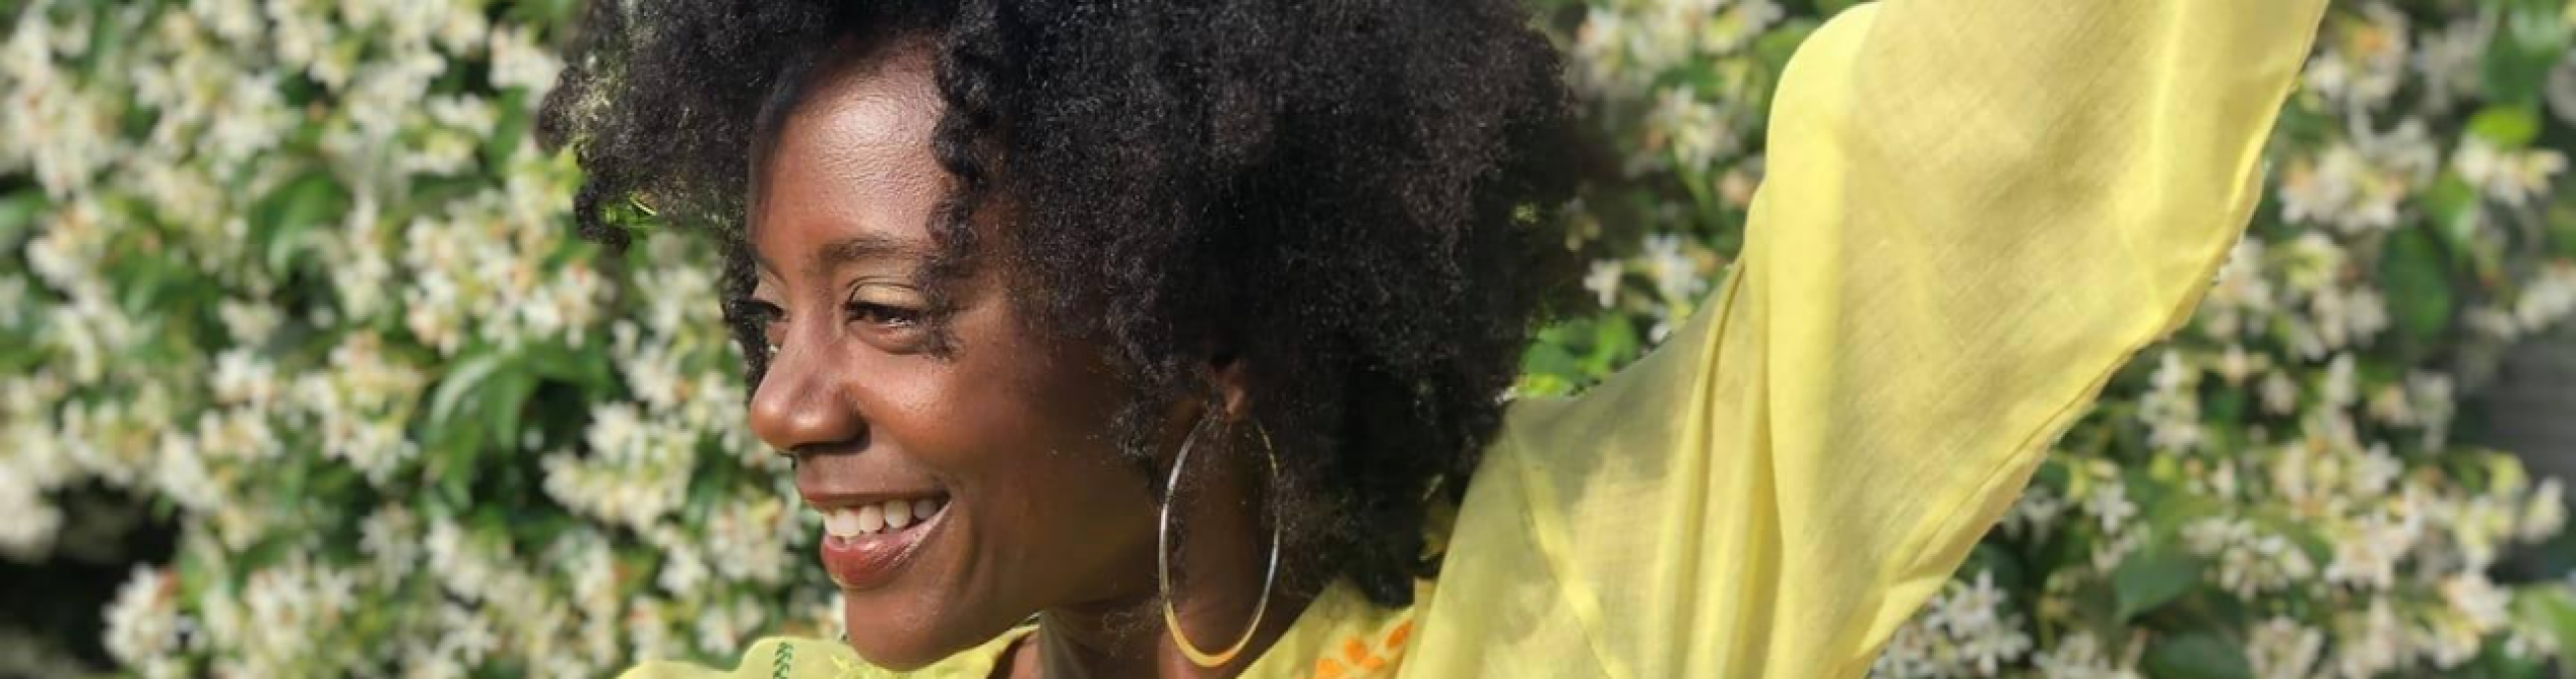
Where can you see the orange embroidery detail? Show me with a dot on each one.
(1359, 660)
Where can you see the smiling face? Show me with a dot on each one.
(966, 486)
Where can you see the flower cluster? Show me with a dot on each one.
(2276, 491)
(292, 275)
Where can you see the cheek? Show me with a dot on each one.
(1025, 445)
(1040, 437)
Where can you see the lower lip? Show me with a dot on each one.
(869, 561)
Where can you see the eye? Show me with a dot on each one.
(887, 315)
(895, 318)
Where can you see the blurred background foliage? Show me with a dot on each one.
(302, 372)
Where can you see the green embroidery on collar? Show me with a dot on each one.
(786, 656)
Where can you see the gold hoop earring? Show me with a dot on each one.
(1163, 561)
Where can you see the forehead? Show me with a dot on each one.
(853, 158)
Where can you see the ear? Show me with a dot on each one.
(1229, 375)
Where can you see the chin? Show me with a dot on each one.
(894, 638)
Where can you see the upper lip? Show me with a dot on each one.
(829, 499)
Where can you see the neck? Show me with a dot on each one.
(1220, 561)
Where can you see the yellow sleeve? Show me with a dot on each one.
(1976, 210)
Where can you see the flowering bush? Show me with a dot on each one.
(290, 276)
(287, 280)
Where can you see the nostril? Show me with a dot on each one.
(846, 446)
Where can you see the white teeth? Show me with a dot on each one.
(898, 513)
(851, 522)
(871, 519)
(841, 523)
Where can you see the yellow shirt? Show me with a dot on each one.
(1976, 211)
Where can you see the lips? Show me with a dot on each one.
(867, 541)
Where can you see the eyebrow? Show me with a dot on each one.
(854, 249)
(864, 247)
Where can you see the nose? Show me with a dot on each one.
(800, 406)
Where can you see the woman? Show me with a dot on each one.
(1116, 339)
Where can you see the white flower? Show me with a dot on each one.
(2448, 59)
(1600, 54)
(143, 622)
(1692, 130)
(2280, 395)
(2236, 364)
(2510, 177)
(2371, 642)
(1603, 281)
(250, 323)
(242, 377)
(2035, 514)
(2080, 656)
(2368, 553)
(392, 538)
(1677, 277)
(2281, 648)
(252, 119)
(518, 61)
(1972, 608)
(1736, 26)
(2546, 513)
(298, 31)
(464, 28)
(465, 636)
(235, 20)
(2109, 503)
(2478, 601)
(2548, 298)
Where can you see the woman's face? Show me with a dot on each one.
(964, 490)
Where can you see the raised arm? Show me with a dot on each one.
(1976, 210)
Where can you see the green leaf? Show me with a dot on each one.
(1550, 360)
(2197, 655)
(281, 218)
(2527, 45)
(2561, 230)
(588, 369)
(2453, 204)
(505, 401)
(1614, 343)
(2418, 286)
(2506, 125)
(1778, 44)
(2550, 605)
(455, 478)
(460, 382)
(2153, 578)
(1832, 7)
(2226, 406)
(18, 212)
(509, 130)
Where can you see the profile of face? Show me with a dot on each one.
(965, 486)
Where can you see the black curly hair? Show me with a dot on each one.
(1357, 197)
